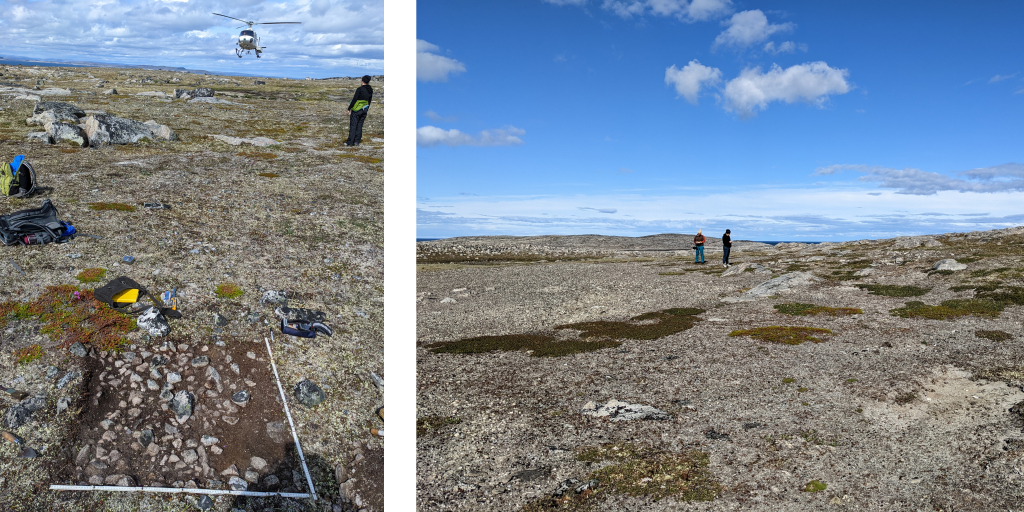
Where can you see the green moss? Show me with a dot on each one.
(890, 290)
(994, 335)
(430, 425)
(815, 486)
(269, 175)
(229, 291)
(788, 380)
(801, 390)
(1006, 295)
(799, 309)
(539, 345)
(91, 275)
(950, 309)
(121, 207)
(669, 321)
(783, 334)
(28, 354)
(637, 470)
(851, 381)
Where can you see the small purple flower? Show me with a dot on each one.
(77, 296)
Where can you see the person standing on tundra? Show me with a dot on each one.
(698, 245)
(358, 108)
(726, 247)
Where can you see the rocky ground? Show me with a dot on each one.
(911, 400)
(253, 193)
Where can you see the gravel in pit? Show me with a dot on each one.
(890, 413)
(303, 216)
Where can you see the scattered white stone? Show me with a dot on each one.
(255, 141)
(949, 264)
(615, 410)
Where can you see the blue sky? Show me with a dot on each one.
(781, 121)
(336, 38)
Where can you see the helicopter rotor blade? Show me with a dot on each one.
(281, 23)
(226, 16)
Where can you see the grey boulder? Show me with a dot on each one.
(949, 264)
(309, 394)
(182, 405)
(63, 132)
(153, 322)
(274, 297)
(299, 314)
(107, 129)
(615, 410)
(782, 284)
(60, 110)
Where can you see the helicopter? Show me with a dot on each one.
(248, 40)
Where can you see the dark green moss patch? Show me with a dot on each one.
(539, 345)
(637, 470)
(120, 207)
(890, 290)
(994, 335)
(788, 380)
(229, 291)
(949, 309)
(815, 486)
(798, 309)
(429, 425)
(782, 334)
(1006, 295)
(669, 321)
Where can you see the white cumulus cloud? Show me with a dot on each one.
(429, 136)
(689, 80)
(811, 82)
(748, 28)
(784, 47)
(566, 2)
(690, 11)
(431, 67)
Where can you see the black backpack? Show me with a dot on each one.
(18, 178)
(37, 226)
(108, 292)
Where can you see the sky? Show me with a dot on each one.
(336, 37)
(788, 120)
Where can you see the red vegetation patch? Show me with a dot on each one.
(71, 315)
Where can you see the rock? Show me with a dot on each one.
(615, 410)
(202, 92)
(782, 284)
(189, 456)
(864, 272)
(96, 480)
(230, 420)
(241, 397)
(158, 360)
(65, 380)
(309, 394)
(182, 405)
(204, 503)
(83, 455)
(154, 94)
(78, 349)
(52, 372)
(299, 314)
(211, 100)
(278, 432)
(258, 463)
(39, 136)
(237, 484)
(44, 118)
(200, 361)
(105, 129)
(152, 321)
(274, 297)
(948, 264)
(448, 300)
(152, 385)
(271, 481)
(931, 242)
(161, 131)
(61, 111)
(219, 320)
(255, 141)
(110, 92)
(126, 481)
(252, 477)
(146, 438)
(173, 377)
(54, 91)
(27, 97)
(63, 403)
(258, 82)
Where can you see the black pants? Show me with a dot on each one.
(355, 127)
(725, 254)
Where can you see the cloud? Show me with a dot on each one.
(429, 136)
(1007, 177)
(874, 193)
(1000, 78)
(431, 67)
(785, 47)
(336, 37)
(689, 80)
(566, 2)
(748, 28)
(688, 11)
(811, 82)
(434, 116)
(602, 210)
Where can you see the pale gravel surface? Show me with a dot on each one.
(946, 450)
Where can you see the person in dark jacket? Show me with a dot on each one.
(698, 245)
(358, 108)
(726, 247)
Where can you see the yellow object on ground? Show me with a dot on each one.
(127, 297)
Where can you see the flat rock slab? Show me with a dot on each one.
(782, 284)
(615, 410)
(949, 264)
(255, 141)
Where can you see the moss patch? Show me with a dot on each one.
(269, 175)
(891, 290)
(429, 425)
(28, 354)
(360, 158)
(782, 334)
(120, 207)
(539, 345)
(949, 309)
(91, 275)
(71, 315)
(637, 470)
(229, 291)
(815, 486)
(788, 380)
(798, 309)
(669, 321)
(994, 335)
